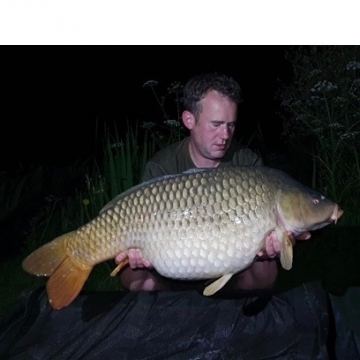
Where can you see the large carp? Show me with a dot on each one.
(201, 224)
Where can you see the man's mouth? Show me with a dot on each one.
(221, 147)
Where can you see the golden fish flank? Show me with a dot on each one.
(202, 224)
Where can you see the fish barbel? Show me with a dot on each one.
(201, 224)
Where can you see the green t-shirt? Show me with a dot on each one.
(175, 159)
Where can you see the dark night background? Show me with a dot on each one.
(53, 99)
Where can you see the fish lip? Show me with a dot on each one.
(336, 215)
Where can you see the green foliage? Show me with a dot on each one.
(170, 129)
(322, 118)
(125, 159)
(122, 165)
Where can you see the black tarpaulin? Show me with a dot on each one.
(169, 325)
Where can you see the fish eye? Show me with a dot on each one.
(316, 198)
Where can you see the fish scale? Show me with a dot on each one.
(201, 224)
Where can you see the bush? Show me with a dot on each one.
(321, 117)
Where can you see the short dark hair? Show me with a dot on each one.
(198, 86)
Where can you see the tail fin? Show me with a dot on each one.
(67, 277)
(66, 283)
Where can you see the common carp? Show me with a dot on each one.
(201, 224)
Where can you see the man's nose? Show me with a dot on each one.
(226, 133)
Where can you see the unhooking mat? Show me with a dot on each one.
(174, 325)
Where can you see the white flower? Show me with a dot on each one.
(336, 125)
(353, 65)
(174, 87)
(349, 135)
(315, 72)
(314, 100)
(355, 85)
(172, 123)
(150, 83)
(117, 145)
(324, 85)
(339, 99)
(148, 125)
(301, 117)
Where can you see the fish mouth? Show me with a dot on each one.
(336, 215)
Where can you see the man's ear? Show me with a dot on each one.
(188, 119)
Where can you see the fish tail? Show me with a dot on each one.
(67, 276)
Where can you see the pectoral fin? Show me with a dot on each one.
(286, 255)
(217, 285)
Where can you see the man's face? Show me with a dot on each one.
(214, 129)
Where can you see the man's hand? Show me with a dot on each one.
(136, 259)
(273, 247)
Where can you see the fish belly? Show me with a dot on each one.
(201, 238)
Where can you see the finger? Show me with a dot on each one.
(147, 263)
(273, 246)
(120, 257)
(276, 244)
(269, 248)
(135, 259)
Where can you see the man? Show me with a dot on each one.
(210, 113)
